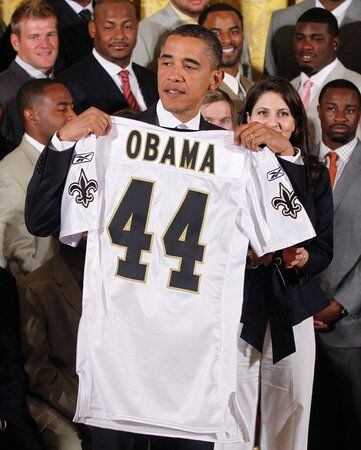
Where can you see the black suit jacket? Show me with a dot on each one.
(91, 85)
(74, 41)
(285, 301)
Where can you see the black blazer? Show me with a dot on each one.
(45, 189)
(268, 299)
(75, 44)
(91, 85)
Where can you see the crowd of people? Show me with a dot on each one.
(77, 72)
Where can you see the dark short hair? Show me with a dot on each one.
(301, 137)
(98, 3)
(216, 8)
(321, 15)
(30, 9)
(33, 92)
(199, 32)
(339, 84)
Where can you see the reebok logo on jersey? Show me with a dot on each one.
(84, 189)
(288, 201)
(275, 173)
(83, 158)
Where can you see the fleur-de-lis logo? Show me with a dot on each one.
(288, 201)
(84, 189)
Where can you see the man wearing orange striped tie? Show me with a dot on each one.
(337, 386)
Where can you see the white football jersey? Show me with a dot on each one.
(169, 217)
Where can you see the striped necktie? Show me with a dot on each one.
(128, 94)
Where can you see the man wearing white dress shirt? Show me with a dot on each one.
(279, 60)
(316, 41)
(226, 22)
(107, 78)
(45, 105)
(34, 37)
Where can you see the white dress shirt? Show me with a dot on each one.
(78, 8)
(317, 79)
(32, 71)
(338, 12)
(344, 154)
(169, 120)
(113, 71)
(36, 144)
(233, 83)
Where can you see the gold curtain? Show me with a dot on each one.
(256, 13)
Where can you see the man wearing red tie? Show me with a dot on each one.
(108, 79)
(337, 387)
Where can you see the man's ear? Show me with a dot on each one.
(91, 28)
(217, 78)
(318, 110)
(30, 116)
(14, 41)
(336, 43)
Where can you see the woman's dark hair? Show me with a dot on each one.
(301, 136)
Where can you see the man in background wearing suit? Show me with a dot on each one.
(336, 413)
(45, 106)
(107, 79)
(279, 59)
(315, 44)
(74, 41)
(153, 29)
(226, 22)
(35, 39)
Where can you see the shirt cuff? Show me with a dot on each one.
(58, 145)
(296, 158)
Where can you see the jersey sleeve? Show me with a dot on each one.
(270, 214)
(79, 207)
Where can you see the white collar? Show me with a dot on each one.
(111, 68)
(319, 77)
(78, 8)
(167, 119)
(231, 82)
(31, 70)
(40, 147)
(338, 12)
(234, 83)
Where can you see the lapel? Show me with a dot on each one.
(350, 22)
(67, 284)
(337, 72)
(69, 18)
(101, 80)
(145, 83)
(170, 16)
(31, 153)
(19, 73)
(351, 170)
